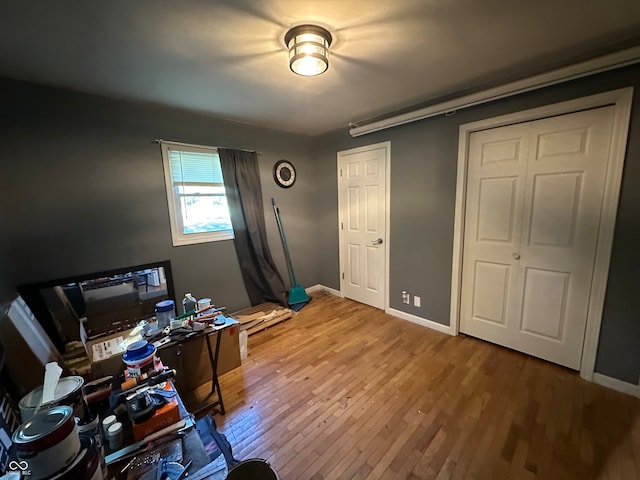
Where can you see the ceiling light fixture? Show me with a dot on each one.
(308, 49)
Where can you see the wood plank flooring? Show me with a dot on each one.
(343, 391)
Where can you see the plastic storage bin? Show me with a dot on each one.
(165, 312)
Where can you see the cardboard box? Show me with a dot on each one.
(190, 358)
(27, 347)
(229, 349)
(164, 416)
(105, 353)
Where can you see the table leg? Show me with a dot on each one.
(213, 358)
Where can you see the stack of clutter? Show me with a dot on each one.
(50, 446)
(59, 437)
(196, 316)
(72, 429)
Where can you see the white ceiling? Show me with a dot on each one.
(227, 58)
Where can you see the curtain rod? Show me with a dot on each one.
(159, 140)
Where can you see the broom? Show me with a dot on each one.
(298, 297)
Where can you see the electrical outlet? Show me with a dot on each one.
(406, 298)
(416, 301)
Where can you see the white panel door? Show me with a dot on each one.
(362, 195)
(493, 225)
(534, 195)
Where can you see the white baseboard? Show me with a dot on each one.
(615, 384)
(391, 311)
(420, 321)
(322, 288)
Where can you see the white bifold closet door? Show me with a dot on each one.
(534, 195)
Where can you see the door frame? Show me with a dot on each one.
(621, 100)
(387, 202)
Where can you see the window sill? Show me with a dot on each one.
(193, 239)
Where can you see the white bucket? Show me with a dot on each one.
(140, 358)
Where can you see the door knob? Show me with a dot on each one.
(377, 242)
(516, 256)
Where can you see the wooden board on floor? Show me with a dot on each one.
(269, 321)
(265, 307)
(259, 317)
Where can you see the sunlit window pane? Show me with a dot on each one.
(204, 213)
(198, 201)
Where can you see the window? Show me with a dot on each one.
(195, 192)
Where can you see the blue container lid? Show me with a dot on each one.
(165, 306)
(138, 351)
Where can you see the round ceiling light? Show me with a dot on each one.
(308, 49)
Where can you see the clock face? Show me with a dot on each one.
(284, 173)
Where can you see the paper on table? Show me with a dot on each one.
(52, 374)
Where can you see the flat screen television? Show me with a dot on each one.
(106, 302)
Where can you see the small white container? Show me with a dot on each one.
(106, 423)
(203, 304)
(114, 435)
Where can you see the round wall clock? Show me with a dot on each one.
(284, 173)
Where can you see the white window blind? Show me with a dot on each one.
(195, 168)
(196, 194)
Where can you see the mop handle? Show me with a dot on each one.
(283, 237)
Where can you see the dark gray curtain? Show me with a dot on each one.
(244, 196)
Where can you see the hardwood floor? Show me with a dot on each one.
(344, 391)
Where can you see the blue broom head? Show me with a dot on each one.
(298, 295)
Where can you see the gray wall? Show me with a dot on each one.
(82, 190)
(423, 180)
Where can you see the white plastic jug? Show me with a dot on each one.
(189, 303)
